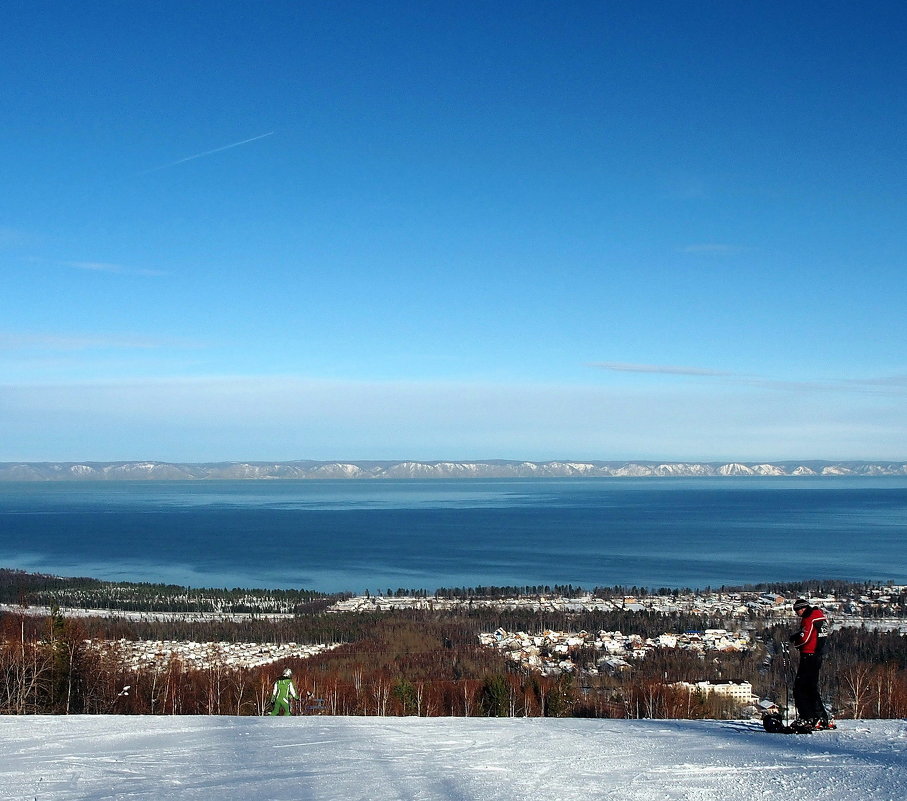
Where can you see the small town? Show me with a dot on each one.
(552, 652)
(875, 603)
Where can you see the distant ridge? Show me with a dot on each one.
(495, 468)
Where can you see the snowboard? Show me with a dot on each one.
(774, 723)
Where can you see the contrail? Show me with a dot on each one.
(207, 153)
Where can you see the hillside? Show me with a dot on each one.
(55, 758)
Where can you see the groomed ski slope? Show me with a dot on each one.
(443, 759)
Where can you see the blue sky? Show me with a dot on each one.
(524, 230)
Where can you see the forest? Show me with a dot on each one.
(422, 662)
(36, 589)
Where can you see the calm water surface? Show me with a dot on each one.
(357, 535)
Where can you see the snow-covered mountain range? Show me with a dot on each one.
(495, 468)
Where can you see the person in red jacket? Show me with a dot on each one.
(810, 641)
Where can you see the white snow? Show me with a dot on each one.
(58, 758)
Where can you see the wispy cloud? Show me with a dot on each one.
(220, 417)
(10, 237)
(107, 267)
(660, 369)
(207, 153)
(685, 185)
(711, 249)
(899, 380)
(885, 385)
(80, 342)
(97, 266)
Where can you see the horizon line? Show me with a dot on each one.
(492, 460)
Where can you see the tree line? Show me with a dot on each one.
(35, 589)
(426, 663)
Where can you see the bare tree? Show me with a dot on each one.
(857, 681)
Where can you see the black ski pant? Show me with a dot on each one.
(806, 688)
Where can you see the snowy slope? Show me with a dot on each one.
(443, 759)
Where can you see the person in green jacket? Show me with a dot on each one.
(283, 693)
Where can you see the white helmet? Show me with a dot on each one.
(288, 673)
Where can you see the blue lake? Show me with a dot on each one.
(357, 535)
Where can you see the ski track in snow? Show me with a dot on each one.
(58, 758)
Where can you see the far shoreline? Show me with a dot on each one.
(140, 471)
